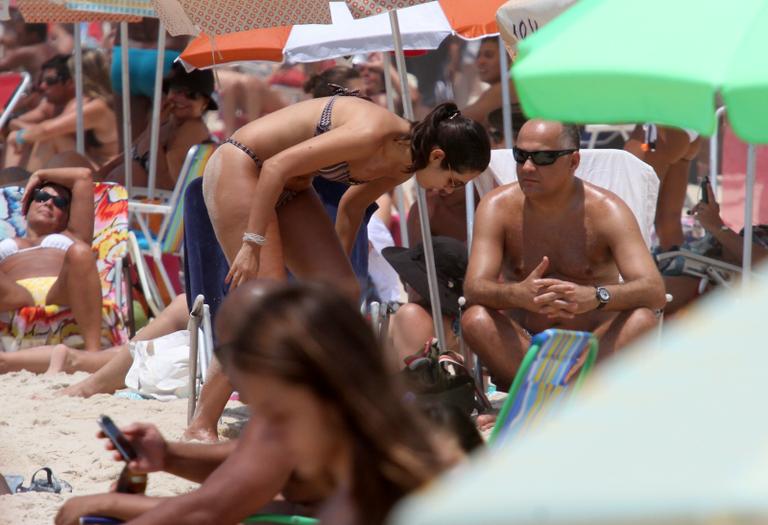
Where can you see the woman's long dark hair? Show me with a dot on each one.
(465, 142)
(309, 335)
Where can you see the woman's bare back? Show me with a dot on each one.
(269, 135)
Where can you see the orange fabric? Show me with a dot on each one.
(257, 44)
(473, 19)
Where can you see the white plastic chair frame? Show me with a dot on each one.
(142, 210)
(20, 91)
(200, 350)
(146, 282)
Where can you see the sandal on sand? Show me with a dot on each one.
(50, 484)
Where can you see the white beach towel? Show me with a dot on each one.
(618, 171)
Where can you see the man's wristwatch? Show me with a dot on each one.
(603, 296)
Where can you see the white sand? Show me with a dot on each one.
(39, 428)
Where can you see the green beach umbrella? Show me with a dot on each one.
(671, 431)
(660, 61)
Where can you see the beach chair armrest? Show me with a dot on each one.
(144, 207)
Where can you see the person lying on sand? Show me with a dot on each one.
(109, 366)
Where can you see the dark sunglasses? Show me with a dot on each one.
(51, 81)
(43, 196)
(540, 158)
(189, 93)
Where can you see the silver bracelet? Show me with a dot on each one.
(254, 238)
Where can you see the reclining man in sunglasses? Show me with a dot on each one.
(548, 252)
(53, 263)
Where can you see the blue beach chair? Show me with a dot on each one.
(545, 375)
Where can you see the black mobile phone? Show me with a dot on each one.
(705, 190)
(117, 438)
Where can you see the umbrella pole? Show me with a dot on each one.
(469, 190)
(80, 130)
(399, 192)
(749, 191)
(156, 106)
(421, 198)
(713, 150)
(506, 102)
(126, 89)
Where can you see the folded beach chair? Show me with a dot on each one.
(51, 324)
(707, 269)
(200, 350)
(12, 88)
(168, 240)
(545, 376)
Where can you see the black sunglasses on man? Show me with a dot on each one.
(540, 158)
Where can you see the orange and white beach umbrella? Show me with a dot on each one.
(422, 26)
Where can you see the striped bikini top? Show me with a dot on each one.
(338, 172)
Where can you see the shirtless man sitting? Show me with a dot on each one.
(547, 253)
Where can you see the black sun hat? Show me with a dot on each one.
(450, 264)
(198, 81)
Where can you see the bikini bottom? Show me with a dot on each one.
(38, 287)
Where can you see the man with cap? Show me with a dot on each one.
(411, 326)
(553, 251)
(187, 97)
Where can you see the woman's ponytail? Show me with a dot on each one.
(464, 141)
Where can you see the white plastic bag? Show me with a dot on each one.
(160, 368)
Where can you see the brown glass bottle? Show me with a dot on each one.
(131, 482)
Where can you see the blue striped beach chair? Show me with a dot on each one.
(168, 240)
(545, 375)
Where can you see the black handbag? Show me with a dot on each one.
(435, 377)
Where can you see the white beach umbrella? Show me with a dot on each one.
(670, 431)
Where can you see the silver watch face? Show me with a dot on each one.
(603, 295)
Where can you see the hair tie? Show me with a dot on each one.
(454, 115)
(344, 92)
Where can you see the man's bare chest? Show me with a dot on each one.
(574, 249)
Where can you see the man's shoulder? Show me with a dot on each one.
(602, 200)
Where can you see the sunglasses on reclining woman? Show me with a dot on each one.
(43, 196)
(540, 158)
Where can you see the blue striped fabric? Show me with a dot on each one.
(558, 353)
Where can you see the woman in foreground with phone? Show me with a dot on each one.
(346, 450)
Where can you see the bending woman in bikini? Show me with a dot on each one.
(257, 185)
(257, 188)
(53, 263)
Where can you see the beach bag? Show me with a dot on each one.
(160, 368)
(434, 377)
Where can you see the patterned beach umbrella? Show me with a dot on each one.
(191, 17)
(47, 11)
(470, 19)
